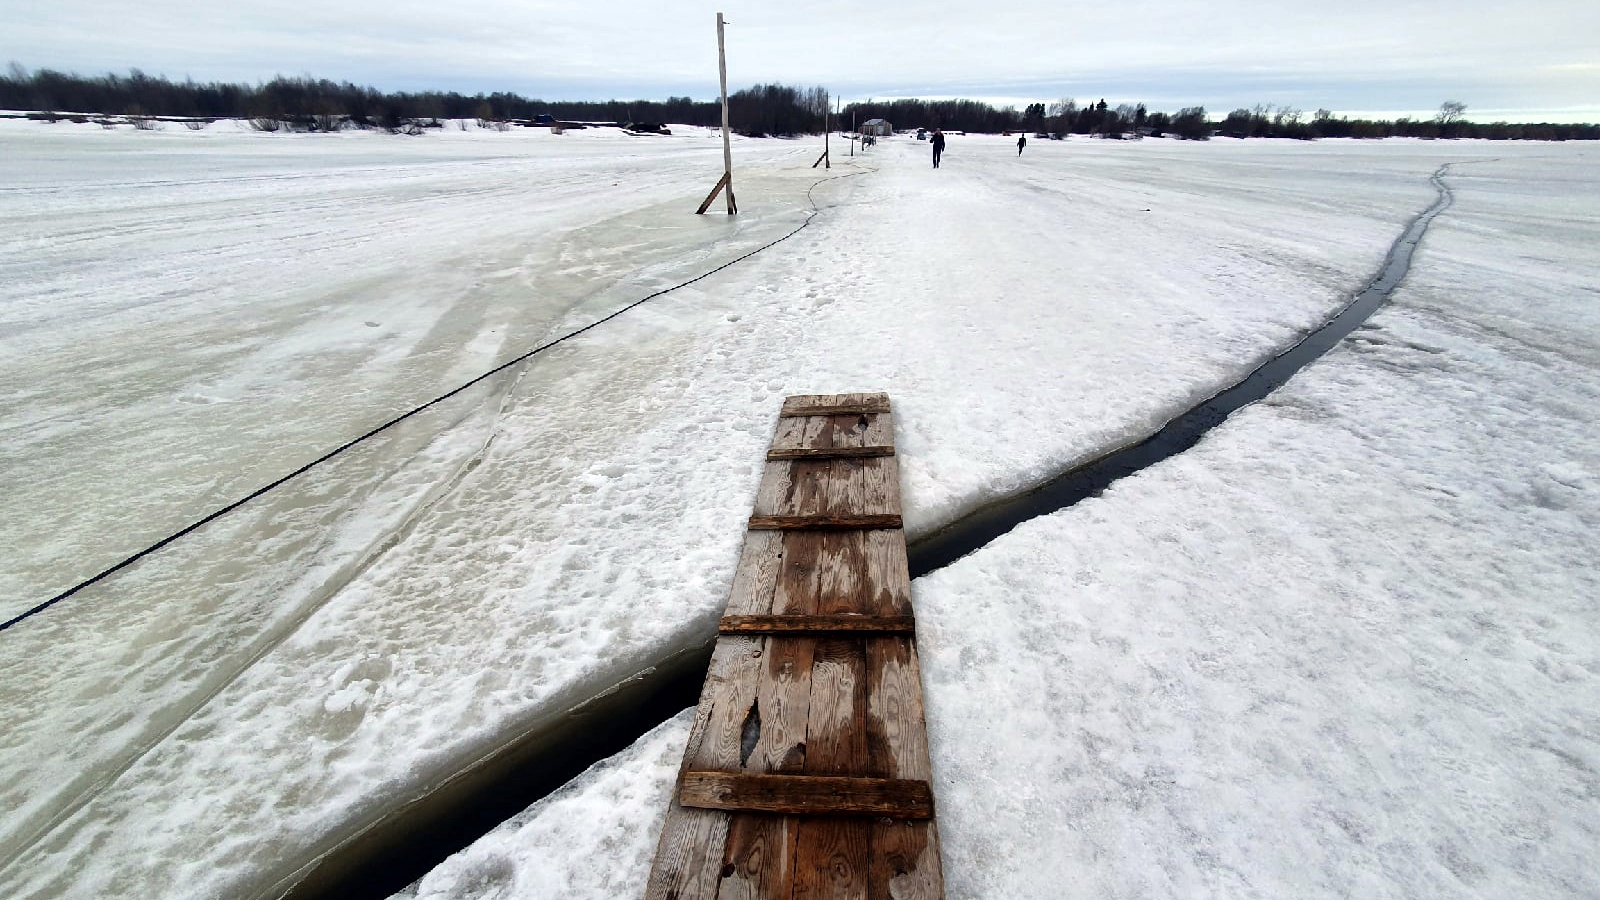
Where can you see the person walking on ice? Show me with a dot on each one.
(938, 145)
(1022, 141)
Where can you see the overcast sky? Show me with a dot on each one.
(1516, 61)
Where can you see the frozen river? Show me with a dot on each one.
(187, 316)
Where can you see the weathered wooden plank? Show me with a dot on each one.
(816, 522)
(804, 558)
(689, 855)
(829, 452)
(831, 487)
(905, 861)
(854, 571)
(757, 574)
(807, 794)
(905, 855)
(759, 861)
(842, 572)
(835, 432)
(813, 625)
(831, 858)
(775, 737)
(863, 408)
(834, 404)
(725, 702)
(897, 736)
(783, 690)
(759, 857)
(836, 731)
(826, 699)
(888, 581)
(832, 854)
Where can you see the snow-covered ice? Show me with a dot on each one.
(594, 837)
(237, 705)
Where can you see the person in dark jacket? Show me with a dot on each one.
(938, 146)
(1022, 141)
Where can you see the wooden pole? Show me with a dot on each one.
(727, 149)
(726, 182)
(828, 159)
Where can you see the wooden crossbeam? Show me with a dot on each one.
(822, 522)
(809, 624)
(828, 452)
(843, 409)
(833, 405)
(820, 795)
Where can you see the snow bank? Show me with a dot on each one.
(611, 812)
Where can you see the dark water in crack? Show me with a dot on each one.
(978, 528)
(407, 845)
(397, 852)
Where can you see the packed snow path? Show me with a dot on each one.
(440, 594)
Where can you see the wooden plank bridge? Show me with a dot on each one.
(807, 773)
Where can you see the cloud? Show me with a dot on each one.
(1391, 54)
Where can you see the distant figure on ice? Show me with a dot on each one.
(938, 145)
(1022, 141)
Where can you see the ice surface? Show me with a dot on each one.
(184, 317)
(238, 705)
(594, 837)
(1347, 646)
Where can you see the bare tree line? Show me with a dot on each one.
(764, 109)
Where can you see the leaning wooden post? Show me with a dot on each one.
(726, 183)
(825, 157)
(825, 129)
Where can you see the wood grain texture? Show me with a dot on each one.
(783, 709)
(758, 863)
(832, 858)
(832, 404)
(829, 487)
(814, 625)
(838, 432)
(837, 409)
(905, 861)
(758, 857)
(820, 522)
(836, 733)
(808, 795)
(725, 702)
(756, 576)
(689, 854)
(828, 452)
(897, 736)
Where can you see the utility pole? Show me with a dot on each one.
(726, 183)
(826, 128)
(825, 157)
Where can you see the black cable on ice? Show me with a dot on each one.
(199, 523)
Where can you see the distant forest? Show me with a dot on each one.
(770, 109)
